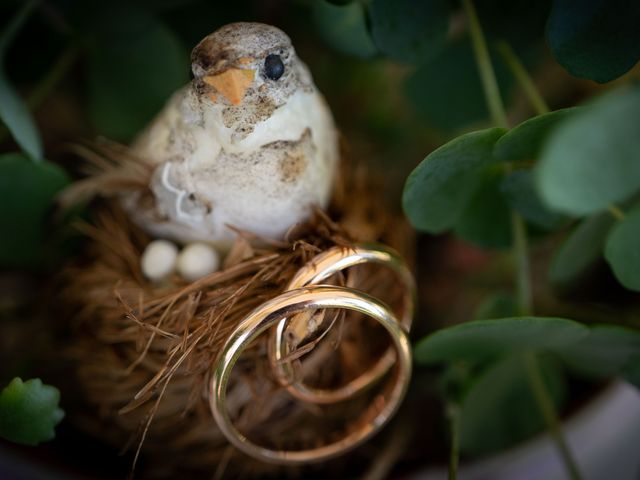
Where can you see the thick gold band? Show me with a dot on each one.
(316, 271)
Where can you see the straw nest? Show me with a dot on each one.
(144, 353)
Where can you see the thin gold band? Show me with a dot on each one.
(316, 271)
(284, 306)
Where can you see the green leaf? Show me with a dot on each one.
(604, 352)
(27, 190)
(136, 65)
(595, 39)
(446, 90)
(29, 411)
(521, 195)
(525, 141)
(591, 160)
(481, 338)
(344, 28)
(13, 111)
(437, 191)
(486, 219)
(498, 305)
(16, 116)
(581, 252)
(409, 31)
(500, 409)
(622, 250)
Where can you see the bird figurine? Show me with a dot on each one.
(250, 144)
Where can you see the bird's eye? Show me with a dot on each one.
(273, 67)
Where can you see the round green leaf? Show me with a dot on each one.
(591, 160)
(595, 39)
(581, 251)
(500, 409)
(136, 65)
(344, 28)
(482, 338)
(29, 411)
(525, 141)
(622, 250)
(409, 31)
(519, 191)
(437, 191)
(486, 219)
(27, 190)
(604, 352)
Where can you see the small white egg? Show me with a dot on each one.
(159, 260)
(197, 260)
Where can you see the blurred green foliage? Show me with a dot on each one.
(622, 250)
(29, 411)
(134, 64)
(595, 39)
(502, 394)
(481, 339)
(28, 190)
(580, 252)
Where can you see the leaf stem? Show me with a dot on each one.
(453, 414)
(523, 270)
(616, 211)
(523, 78)
(520, 246)
(545, 403)
(483, 59)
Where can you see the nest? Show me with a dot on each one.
(144, 353)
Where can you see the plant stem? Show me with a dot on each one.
(520, 247)
(453, 414)
(523, 78)
(616, 211)
(490, 86)
(545, 403)
(523, 270)
(487, 75)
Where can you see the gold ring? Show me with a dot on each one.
(265, 317)
(317, 270)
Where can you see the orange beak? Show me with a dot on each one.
(232, 83)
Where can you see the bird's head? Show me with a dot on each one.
(251, 68)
